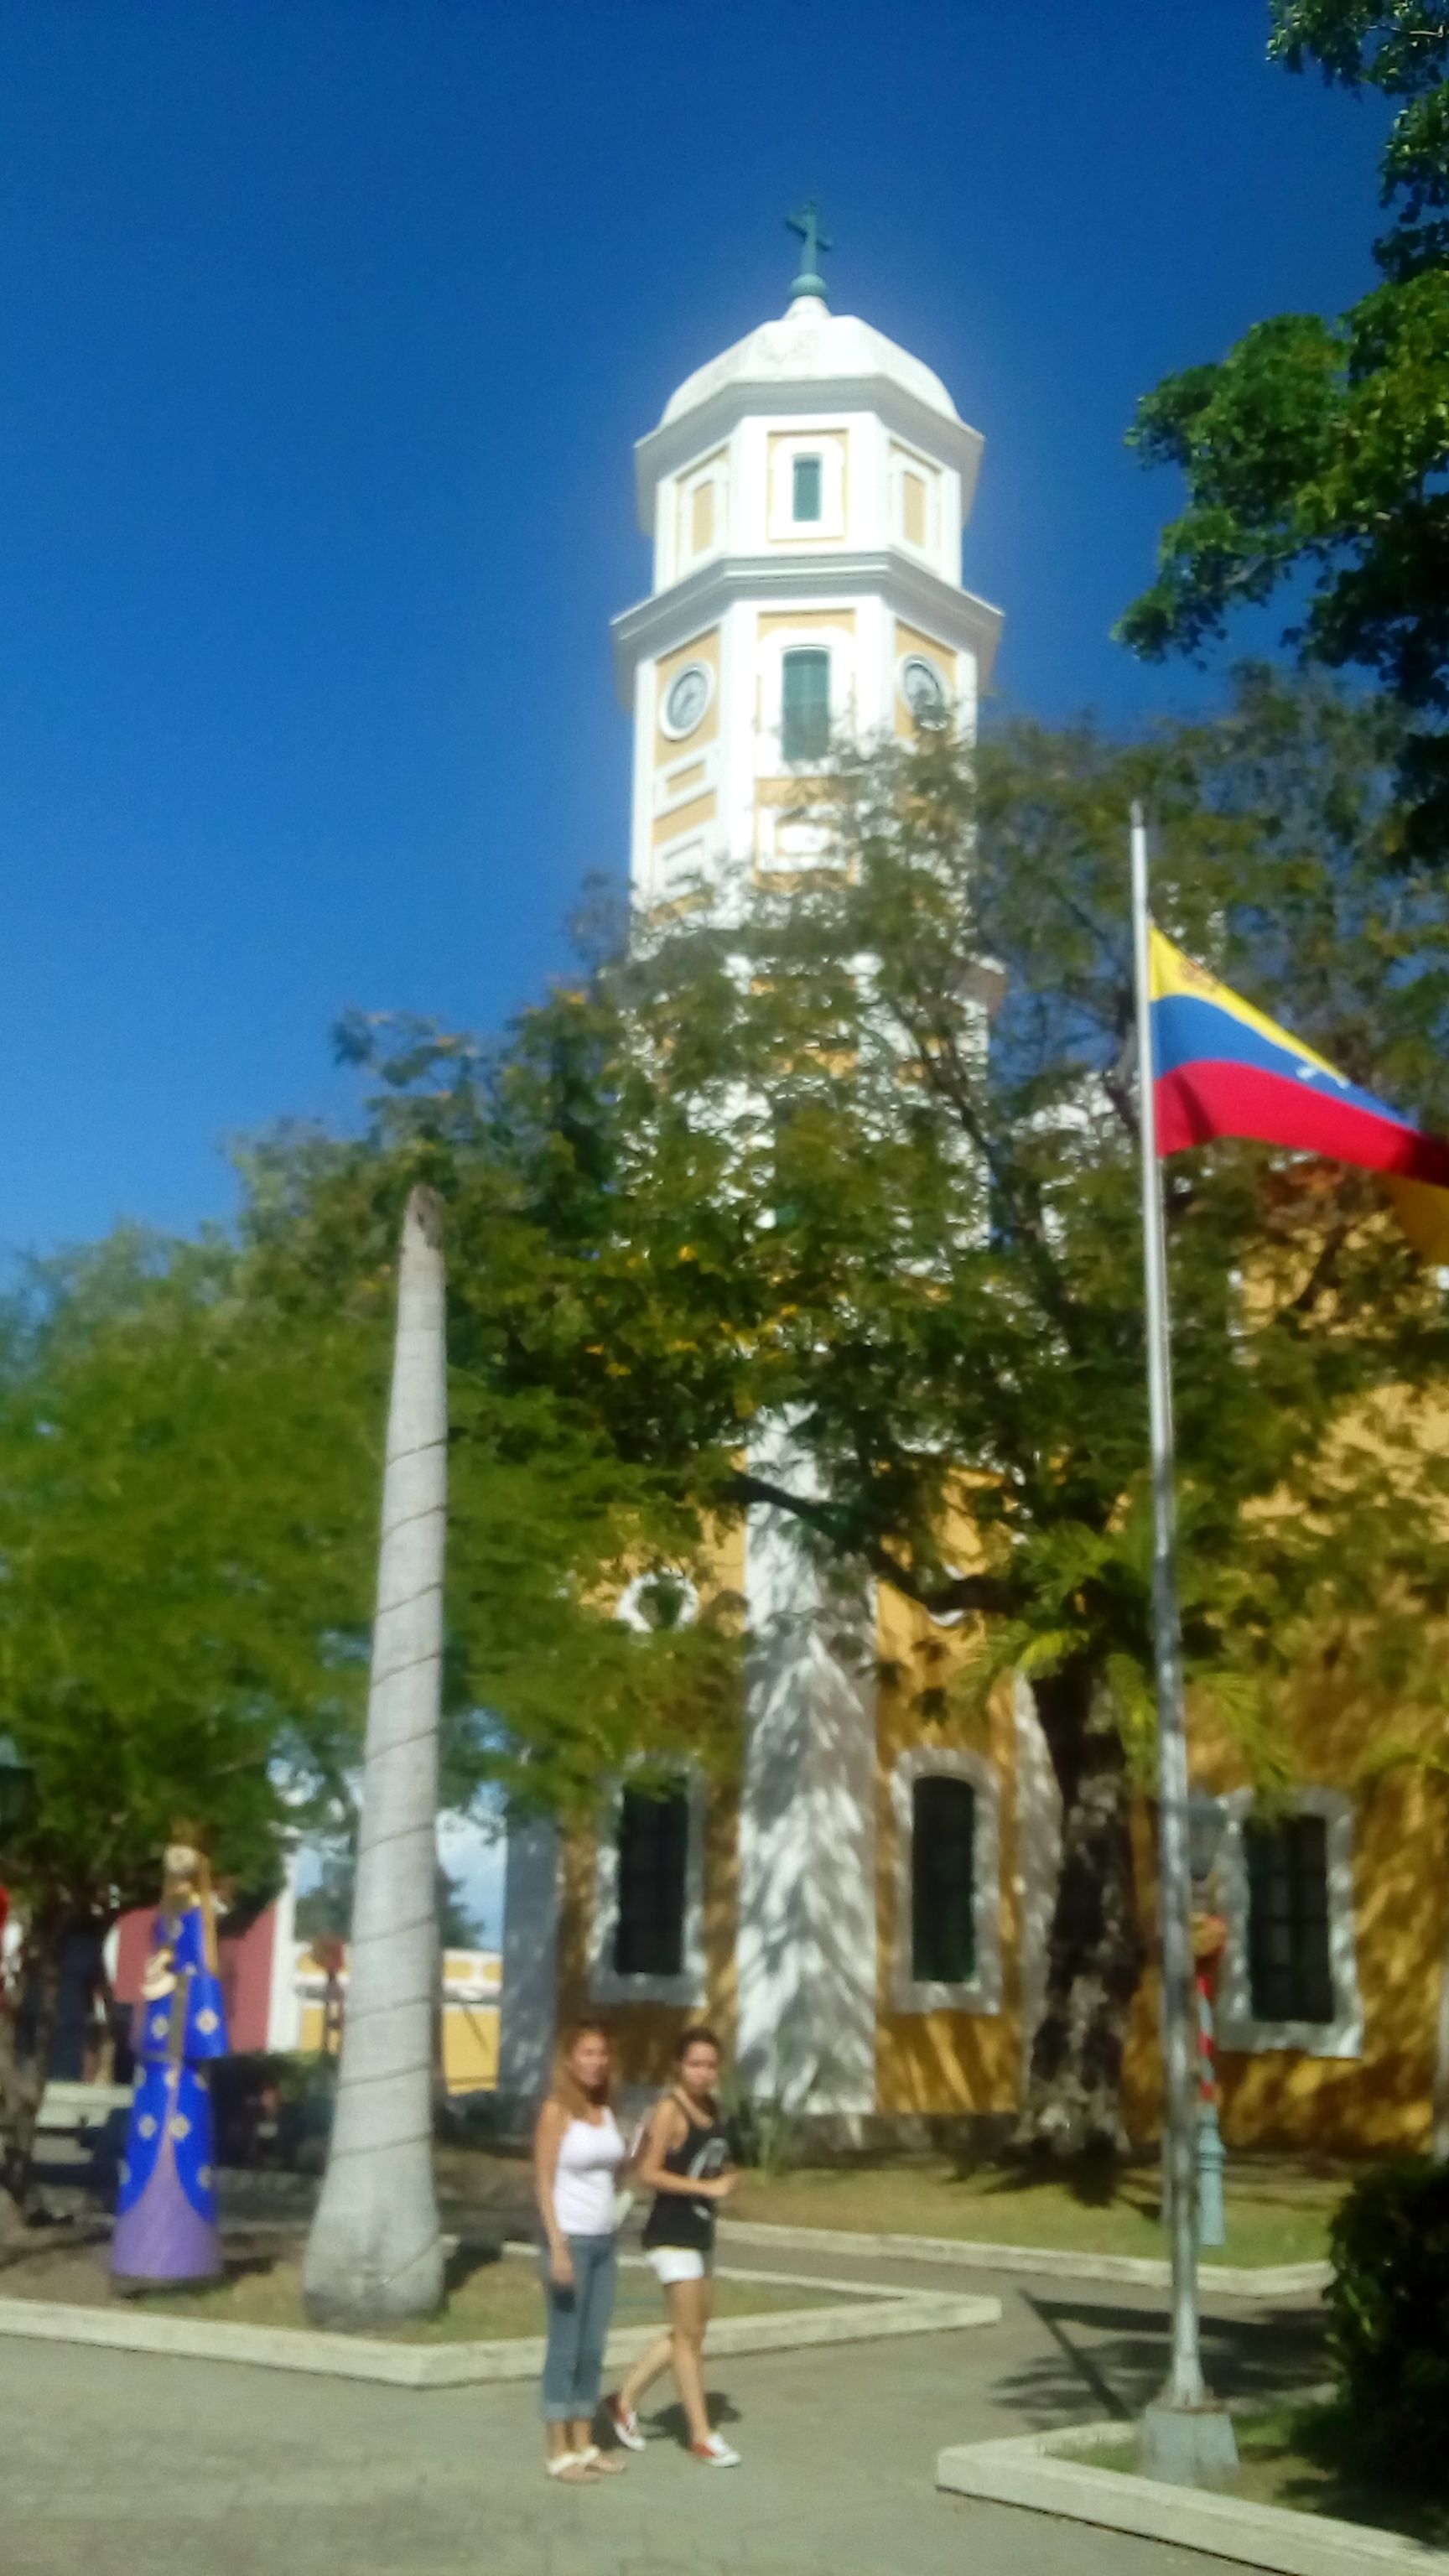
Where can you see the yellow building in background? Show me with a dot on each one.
(471, 1983)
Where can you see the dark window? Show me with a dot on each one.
(806, 493)
(943, 1880)
(805, 706)
(653, 1862)
(1289, 1977)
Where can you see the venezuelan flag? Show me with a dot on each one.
(1220, 1068)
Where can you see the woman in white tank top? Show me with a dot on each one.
(578, 2155)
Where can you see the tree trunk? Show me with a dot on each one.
(22, 2086)
(374, 2252)
(1439, 2110)
(1095, 1952)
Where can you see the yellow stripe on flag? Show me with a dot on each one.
(1172, 973)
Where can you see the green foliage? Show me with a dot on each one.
(1389, 2303)
(929, 1243)
(1402, 50)
(185, 1542)
(556, 1503)
(326, 1908)
(770, 1164)
(1320, 447)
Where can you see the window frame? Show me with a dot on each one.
(828, 443)
(1237, 2028)
(606, 1984)
(799, 653)
(981, 1992)
(803, 458)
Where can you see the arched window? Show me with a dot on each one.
(805, 704)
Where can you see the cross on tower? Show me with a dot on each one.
(815, 240)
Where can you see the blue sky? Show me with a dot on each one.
(328, 325)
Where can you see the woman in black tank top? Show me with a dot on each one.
(700, 2156)
(686, 2162)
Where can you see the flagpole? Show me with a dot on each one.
(1173, 2448)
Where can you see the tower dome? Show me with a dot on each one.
(805, 492)
(810, 345)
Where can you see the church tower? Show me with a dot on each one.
(805, 494)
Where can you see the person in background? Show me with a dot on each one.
(578, 2154)
(685, 2162)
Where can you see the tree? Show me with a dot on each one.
(554, 1505)
(182, 1590)
(780, 1158)
(1318, 448)
(325, 1911)
(375, 2252)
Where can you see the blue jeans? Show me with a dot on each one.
(578, 2329)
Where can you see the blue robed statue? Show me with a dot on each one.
(166, 2222)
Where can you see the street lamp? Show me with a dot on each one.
(17, 1788)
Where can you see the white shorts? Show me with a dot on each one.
(679, 2263)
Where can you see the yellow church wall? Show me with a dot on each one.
(703, 648)
(802, 620)
(683, 818)
(1379, 2101)
(575, 1917)
(953, 2062)
(787, 795)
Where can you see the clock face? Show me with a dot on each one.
(924, 690)
(686, 699)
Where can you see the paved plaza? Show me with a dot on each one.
(119, 2463)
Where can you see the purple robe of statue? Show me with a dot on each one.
(166, 2223)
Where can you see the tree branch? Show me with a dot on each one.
(985, 1594)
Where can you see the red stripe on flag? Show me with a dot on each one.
(1202, 1100)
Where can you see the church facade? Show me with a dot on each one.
(863, 1914)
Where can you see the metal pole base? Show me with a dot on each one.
(1189, 2446)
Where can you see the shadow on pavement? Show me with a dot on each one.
(1115, 2359)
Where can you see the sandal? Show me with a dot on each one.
(571, 2469)
(599, 2464)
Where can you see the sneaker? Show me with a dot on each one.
(623, 2424)
(714, 2453)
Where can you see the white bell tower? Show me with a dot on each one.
(806, 494)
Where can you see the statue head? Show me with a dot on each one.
(184, 1864)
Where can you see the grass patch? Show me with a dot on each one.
(1308, 2458)
(489, 2298)
(1278, 2208)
